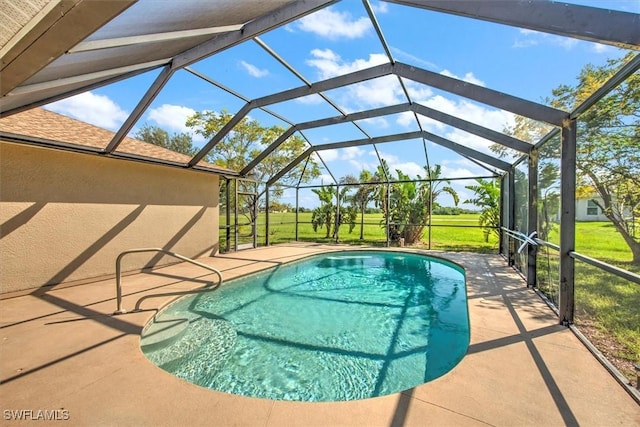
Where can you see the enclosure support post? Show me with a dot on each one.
(501, 248)
(430, 211)
(532, 250)
(386, 202)
(235, 215)
(337, 219)
(228, 216)
(566, 301)
(511, 218)
(266, 216)
(255, 215)
(297, 209)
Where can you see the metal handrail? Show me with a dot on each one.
(120, 310)
(628, 275)
(547, 244)
(526, 240)
(620, 272)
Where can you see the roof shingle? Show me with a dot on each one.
(45, 124)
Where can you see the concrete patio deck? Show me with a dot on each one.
(63, 350)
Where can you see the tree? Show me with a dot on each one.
(276, 206)
(433, 175)
(347, 212)
(322, 216)
(608, 147)
(608, 154)
(409, 202)
(363, 196)
(244, 143)
(325, 214)
(178, 142)
(487, 197)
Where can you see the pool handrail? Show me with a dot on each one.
(120, 310)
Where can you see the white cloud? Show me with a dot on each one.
(378, 122)
(448, 172)
(460, 162)
(330, 64)
(170, 116)
(355, 156)
(418, 92)
(376, 92)
(349, 153)
(490, 118)
(479, 144)
(528, 38)
(406, 119)
(173, 118)
(493, 119)
(253, 70)
(98, 110)
(358, 166)
(327, 54)
(329, 155)
(332, 24)
(431, 125)
(527, 32)
(379, 92)
(380, 7)
(524, 43)
(602, 48)
(468, 77)
(410, 168)
(390, 158)
(313, 99)
(487, 117)
(401, 54)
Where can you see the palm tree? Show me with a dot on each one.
(323, 214)
(410, 202)
(433, 189)
(487, 196)
(364, 195)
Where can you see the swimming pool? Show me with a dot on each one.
(334, 327)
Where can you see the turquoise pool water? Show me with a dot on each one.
(340, 326)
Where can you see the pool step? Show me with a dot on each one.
(163, 332)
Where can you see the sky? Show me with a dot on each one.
(340, 39)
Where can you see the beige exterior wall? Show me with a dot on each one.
(66, 216)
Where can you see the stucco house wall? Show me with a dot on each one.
(586, 211)
(65, 216)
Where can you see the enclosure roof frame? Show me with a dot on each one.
(610, 27)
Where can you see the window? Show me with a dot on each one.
(592, 208)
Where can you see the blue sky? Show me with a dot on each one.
(340, 39)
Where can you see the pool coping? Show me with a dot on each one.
(62, 350)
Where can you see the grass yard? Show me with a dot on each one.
(606, 307)
(448, 232)
(599, 240)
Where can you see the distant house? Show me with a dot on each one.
(588, 210)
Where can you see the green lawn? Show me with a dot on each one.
(599, 240)
(606, 306)
(449, 232)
